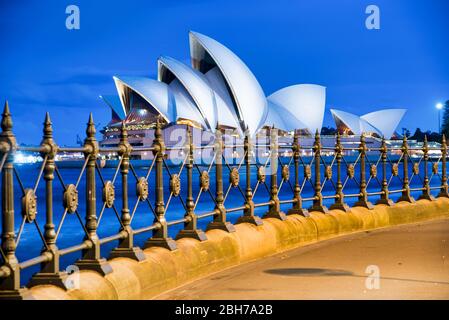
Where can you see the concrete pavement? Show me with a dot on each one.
(412, 261)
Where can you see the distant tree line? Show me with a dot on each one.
(431, 136)
(445, 126)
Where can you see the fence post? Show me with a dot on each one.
(126, 246)
(274, 209)
(248, 212)
(91, 257)
(444, 192)
(339, 196)
(50, 271)
(219, 221)
(405, 181)
(191, 225)
(318, 197)
(384, 198)
(10, 270)
(426, 184)
(297, 205)
(160, 236)
(363, 197)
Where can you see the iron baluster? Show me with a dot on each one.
(248, 212)
(317, 197)
(297, 205)
(274, 209)
(10, 284)
(126, 246)
(444, 192)
(191, 225)
(363, 196)
(50, 271)
(91, 257)
(405, 181)
(384, 197)
(160, 236)
(219, 221)
(339, 196)
(426, 183)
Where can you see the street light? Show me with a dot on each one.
(439, 106)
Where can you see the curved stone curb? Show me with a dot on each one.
(164, 270)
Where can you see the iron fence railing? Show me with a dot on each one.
(139, 200)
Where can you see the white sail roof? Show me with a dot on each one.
(248, 97)
(386, 121)
(382, 122)
(281, 118)
(156, 93)
(195, 84)
(225, 109)
(305, 101)
(113, 101)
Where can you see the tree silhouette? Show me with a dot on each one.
(431, 136)
(445, 127)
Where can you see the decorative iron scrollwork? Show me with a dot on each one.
(261, 175)
(416, 168)
(142, 189)
(204, 181)
(108, 194)
(328, 172)
(395, 169)
(234, 177)
(435, 168)
(350, 171)
(307, 172)
(373, 171)
(29, 205)
(285, 172)
(175, 185)
(71, 198)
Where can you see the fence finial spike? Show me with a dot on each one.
(6, 122)
(425, 138)
(48, 129)
(444, 138)
(6, 108)
(47, 118)
(90, 130)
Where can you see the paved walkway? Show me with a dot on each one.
(413, 262)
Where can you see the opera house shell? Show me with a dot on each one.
(382, 123)
(216, 91)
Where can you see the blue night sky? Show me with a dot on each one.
(44, 66)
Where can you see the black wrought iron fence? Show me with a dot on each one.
(275, 176)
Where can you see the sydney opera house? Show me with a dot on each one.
(218, 91)
(380, 124)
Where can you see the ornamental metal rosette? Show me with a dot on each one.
(204, 180)
(142, 189)
(108, 194)
(71, 198)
